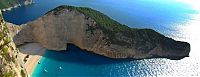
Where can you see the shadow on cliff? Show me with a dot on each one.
(31, 49)
(73, 54)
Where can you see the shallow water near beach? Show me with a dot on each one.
(178, 19)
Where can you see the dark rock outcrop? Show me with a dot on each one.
(97, 33)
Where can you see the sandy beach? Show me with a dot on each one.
(31, 54)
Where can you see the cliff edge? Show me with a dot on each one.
(95, 32)
(10, 63)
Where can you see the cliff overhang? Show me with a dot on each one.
(93, 31)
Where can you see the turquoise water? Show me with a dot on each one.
(76, 62)
(172, 18)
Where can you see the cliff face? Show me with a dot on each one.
(97, 33)
(9, 61)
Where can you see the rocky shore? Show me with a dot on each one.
(31, 54)
(8, 9)
(95, 32)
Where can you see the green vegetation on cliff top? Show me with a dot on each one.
(111, 27)
(8, 3)
(99, 17)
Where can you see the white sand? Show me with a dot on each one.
(35, 52)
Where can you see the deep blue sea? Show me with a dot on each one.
(178, 19)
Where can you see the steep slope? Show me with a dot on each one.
(97, 33)
(10, 65)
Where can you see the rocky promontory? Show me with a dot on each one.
(10, 62)
(95, 32)
(9, 4)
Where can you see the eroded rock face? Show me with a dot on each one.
(9, 61)
(57, 28)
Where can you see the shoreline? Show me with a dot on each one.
(26, 3)
(31, 54)
(10, 8)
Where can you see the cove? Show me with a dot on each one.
(167, 16)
